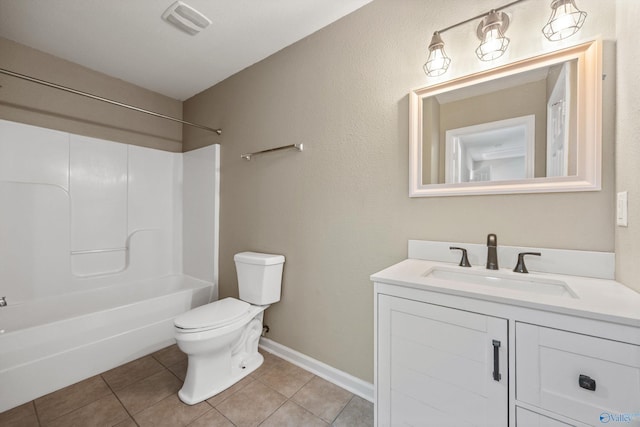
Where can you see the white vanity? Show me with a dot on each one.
(460, 346)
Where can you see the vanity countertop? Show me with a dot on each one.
(598, 299)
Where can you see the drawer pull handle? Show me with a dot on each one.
(496, 360)
(587, 382)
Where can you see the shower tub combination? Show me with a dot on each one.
(99, 246)
(49, 343)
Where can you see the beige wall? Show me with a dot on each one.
(34, 104)
(628, 141)
(523, 100)
(340, 210)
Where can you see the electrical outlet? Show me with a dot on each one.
(621, 209)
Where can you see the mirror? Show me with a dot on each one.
(527, 127)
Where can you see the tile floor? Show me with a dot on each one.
(145, 393)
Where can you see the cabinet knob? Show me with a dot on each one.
(586, 382)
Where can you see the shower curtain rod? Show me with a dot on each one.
(107, 100)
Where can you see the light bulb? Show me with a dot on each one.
(492, 41)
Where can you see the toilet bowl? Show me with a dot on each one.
(221, 338)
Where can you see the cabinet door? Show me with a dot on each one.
(435, 366)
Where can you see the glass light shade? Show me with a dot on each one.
(493, 45)
(438, 61)
(566, 19)
(493, 42)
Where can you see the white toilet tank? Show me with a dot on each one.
(259, 277)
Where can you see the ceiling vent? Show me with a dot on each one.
(186, 18)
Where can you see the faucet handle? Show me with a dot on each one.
(464, 261)
(520, 267)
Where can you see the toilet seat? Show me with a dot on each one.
(215, 315)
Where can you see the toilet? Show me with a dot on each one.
(221, 338)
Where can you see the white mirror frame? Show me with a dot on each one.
(589, 128)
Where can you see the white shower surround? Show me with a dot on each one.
(91, 253)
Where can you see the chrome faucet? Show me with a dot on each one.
(492, 254)
(3, 301)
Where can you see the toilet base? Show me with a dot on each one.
(237, 373)
(215, 365)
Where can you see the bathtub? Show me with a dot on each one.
(51, 343)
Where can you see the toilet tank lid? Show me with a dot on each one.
(258, 258)
(215, 314)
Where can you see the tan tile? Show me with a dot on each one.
(357, 413)
(20, 416)
(179, 369)
(322, 398)
(170, 355)
(122, 376)
(292, 415)
(286, 378)
(212, 418)
(171, 412)
(251, 405)
(103, 412)
(270, 361)
(70, 398)
(220, 397)
(127, 423)
(145, 393)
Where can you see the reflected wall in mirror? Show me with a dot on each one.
(531, 126)
(498, 130)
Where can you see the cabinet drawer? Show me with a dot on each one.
(550, 363)
(526, 418)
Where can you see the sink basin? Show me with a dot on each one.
(496, 279)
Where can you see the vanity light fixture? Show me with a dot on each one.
(490, 31)
(438, 61)
(493, 42)
(566, 19)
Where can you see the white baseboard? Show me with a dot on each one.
(329, 373)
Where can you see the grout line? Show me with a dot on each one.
(120, 401)
(35, 410)
(287, 399)
(345, 407)
(303, 385)
(342, 379)
(280, 393)
(74, 409)
(173, 373)
(234, 393)
(274, 411)
(212, 409)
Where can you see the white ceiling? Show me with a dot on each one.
(128, 39)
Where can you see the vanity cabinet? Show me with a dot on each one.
(440, 366)
(446, 356)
